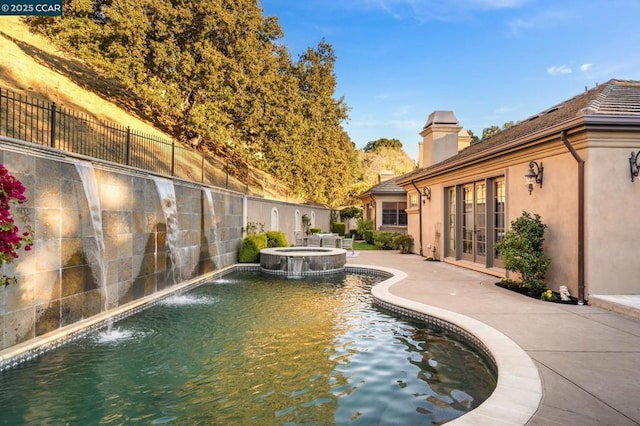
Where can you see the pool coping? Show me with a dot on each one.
(518, 391)
(514, 401)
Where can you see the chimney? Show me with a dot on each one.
(385, 175)
(464, 139)
(442, 138)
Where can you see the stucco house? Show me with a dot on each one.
(385, 204)
(577, 154)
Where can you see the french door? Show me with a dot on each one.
(474, 222)
(475, 217)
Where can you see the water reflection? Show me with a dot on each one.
(255, 350)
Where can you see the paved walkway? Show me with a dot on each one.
(588, 357)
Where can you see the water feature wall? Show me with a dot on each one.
(94, 249)
(154, 232)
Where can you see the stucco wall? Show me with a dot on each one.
(612, 203)
(614, 220)
(557, 204)
(261, 211)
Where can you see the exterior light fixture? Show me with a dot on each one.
(534, 175)
(426, 192)
(634, 164)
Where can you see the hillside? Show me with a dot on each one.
(34, 67)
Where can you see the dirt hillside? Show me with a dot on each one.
(33, 66)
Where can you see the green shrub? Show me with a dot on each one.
(276, 239)
(333, 218)
(306, 224)
(339, 228)
(522, 252)
(382, 239)
(403, 243)
(251, 246)
(351, 212)
(315, 230)
(368, 236)
(364, 225)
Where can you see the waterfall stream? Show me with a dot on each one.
(214, 227)
(167, 194)
(95, 254)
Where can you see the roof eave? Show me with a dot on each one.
(492, 152)
(602, 121)
(611, 120)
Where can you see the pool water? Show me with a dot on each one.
(253, 349)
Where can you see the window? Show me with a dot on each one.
(467, 219)
(393, 213)
(414, 199)
(480, 220)
(498, 212)
(451, 203)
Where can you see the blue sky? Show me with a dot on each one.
(489, 61)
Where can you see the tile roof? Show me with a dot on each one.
(619, 97)
(388, 187)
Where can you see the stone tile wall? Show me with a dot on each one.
(61, 280)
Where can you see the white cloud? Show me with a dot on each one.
(518, 25)
(425, 10)
(506, 109)
(545, 19)
(496, 4)
(585, 67)
(559, 69)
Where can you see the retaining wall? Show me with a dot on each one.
(68, 277)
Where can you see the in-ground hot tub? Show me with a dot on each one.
(299, 261)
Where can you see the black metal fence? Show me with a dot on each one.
(45, 123)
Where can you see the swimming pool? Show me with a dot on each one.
(250, 349)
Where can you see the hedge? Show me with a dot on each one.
(251, 246)
(403, 243)
(339, 228)
(276, 239)
(382, 239)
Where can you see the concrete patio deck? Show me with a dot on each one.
(588, 357)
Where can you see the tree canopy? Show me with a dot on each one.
(215, 75)
(383, 154)
(378, 144)
(490, 131)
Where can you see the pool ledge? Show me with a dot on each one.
(518, 392)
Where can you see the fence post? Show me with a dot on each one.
(226, 169)
(53, 125)
(246, 188)
(127, 154)
(173, 158)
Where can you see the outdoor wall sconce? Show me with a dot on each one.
(634, 164)
(426, 192)
(534, 175)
